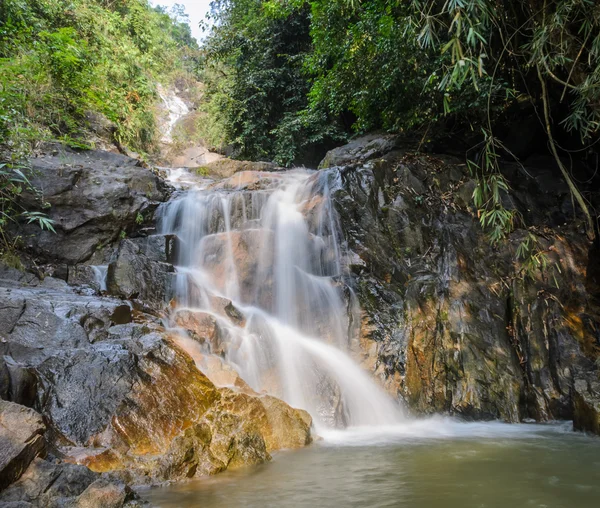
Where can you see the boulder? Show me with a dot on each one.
(359, 150)
(161, 248)
(93, 197)
(201, 326)
(118, 396)
(104, 493)
(49, 484)
(225, 168)
(21, 440)
(134, 275)
(248, 180)
(57, 485)
(586, 400)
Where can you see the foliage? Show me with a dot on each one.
(466, 70)
(521, 46)
(14, 182)
(61, 60)
(256, 80)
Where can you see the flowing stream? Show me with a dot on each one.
(261, 255)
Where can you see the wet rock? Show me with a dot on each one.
(586, 400)
(249, 268)
(133, 275)
(220, 373)
(225, 168)
(21, 440)
(242, 430)
(94, 196)
(48, 484)
(106, 494)
(198, 452)
(161, 248)
(17, 383)
(122, 397)
(448, 323)
(52, 485)
(83, 275)
(202, 327)
(359, 150)
(248, 180)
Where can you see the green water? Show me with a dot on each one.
(433, 464)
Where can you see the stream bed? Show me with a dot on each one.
(434, 463)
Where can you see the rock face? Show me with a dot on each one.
(217, 250)
(94, 197)
(453, 325)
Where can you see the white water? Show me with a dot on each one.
(100, 273)
(175, 109)
(275, 253)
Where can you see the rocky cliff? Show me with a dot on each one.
(451, 324)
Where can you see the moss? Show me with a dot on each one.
(202, 171)
(12, 260)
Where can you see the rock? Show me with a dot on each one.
(122, 397)
(198, 453)
(442, 327)
(283, 426)
(48, 484)
(249, 267)
(359, 150)
(248, 180)
(105, 494)
(21, 440)
(202, 327)
(586, 400)
(161, 248)
(13, 277)
(221, 373)
(101, 126)
(225, 168)
(133, 275)
(242, 430)
(94, 196)
(17, 383)
(51, 485)
(87, 275)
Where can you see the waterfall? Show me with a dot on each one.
(266, 248)
(100, 273)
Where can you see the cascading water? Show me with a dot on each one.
(100, 273)
(266, 247)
